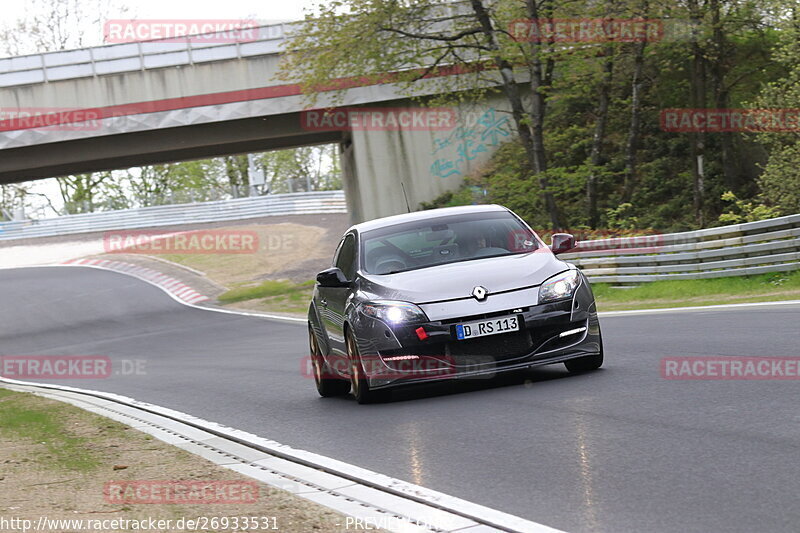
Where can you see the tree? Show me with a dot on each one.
(53, 25)
(416, 41)
(780, 182)
(595, 157)
(634, 129)
(236, 171)
(80, 192)
(308, 168)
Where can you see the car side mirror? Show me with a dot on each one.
(562, 242)
(332, 277)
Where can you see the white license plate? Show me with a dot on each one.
(482, 328)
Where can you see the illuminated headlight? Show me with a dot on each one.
(393, 312)
(559, 286)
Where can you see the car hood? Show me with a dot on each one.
(457, 280)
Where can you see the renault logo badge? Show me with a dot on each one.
(480, 293)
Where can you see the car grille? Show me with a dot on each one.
(498, 347)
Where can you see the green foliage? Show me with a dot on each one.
(361, 38)
(466, 195)
(743, 211)
(202, 180)
(317, 167)
(622, 217)
(780, 182)
(443, 200)
(412, 42)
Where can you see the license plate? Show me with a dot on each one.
(482, 328)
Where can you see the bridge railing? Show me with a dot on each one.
(319, 202)
(741, 249)
(140, 55)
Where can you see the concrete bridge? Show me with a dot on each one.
(131, 104)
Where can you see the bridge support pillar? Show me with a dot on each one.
(383, 167)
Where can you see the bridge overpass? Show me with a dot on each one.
(153, 102)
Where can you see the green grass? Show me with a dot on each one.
(23, 417)
(765, 287)
(272, 296)
(269, 288)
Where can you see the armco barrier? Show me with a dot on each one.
(741, 249)
(170, 215)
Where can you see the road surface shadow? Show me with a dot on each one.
(527, 377)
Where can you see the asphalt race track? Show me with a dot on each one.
(619, 449)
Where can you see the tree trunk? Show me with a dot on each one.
(718, 70)
(634, 131)
(534, 148)
(236, 170)
(540, 77)
(595, 157)
(698, 86)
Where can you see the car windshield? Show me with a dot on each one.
(441, 240)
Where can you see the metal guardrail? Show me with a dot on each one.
(750, 248)
(741, 249)
(170, 215)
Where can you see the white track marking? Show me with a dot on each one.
(721, 307)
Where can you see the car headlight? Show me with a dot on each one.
(393, 312)
(559, 286)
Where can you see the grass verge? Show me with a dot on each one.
(23, 418)
(57, 461)
(271, 295)
(685, 293)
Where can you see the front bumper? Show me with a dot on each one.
(550, 333)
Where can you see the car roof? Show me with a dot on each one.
(424, 215)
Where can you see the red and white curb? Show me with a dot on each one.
(173, 286)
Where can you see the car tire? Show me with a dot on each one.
(326, 386)
(585, 364)
(358, 381)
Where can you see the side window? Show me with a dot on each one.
(346, 258)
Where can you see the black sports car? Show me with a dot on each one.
(453, 293)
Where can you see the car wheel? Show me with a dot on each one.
(585, 364)
(358, 380)
(327, 385)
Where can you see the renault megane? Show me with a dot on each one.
(454, 293)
